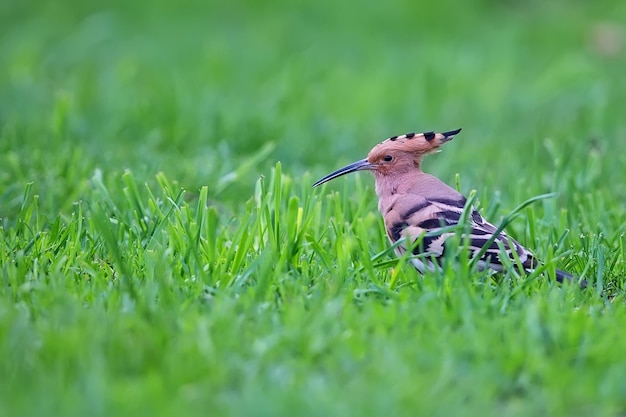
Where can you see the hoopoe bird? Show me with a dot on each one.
(416, 205)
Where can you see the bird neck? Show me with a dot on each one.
(389, 187)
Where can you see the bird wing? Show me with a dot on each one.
(429, 221)
(481, 233)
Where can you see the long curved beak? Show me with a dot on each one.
(356, 166)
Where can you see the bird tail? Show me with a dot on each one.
(566, 276)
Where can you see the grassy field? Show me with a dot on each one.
(162, 251)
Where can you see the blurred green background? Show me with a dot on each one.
(214, 94)
(194, 89)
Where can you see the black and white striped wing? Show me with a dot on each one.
(437, 215)
(480, 235)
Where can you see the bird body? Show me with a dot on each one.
(418, 207)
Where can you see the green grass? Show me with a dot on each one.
(162, 251)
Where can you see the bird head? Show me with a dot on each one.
(395, 155)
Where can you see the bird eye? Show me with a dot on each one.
(387, 158)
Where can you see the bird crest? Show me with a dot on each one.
(418, 143)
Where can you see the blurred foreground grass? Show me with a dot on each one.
(156, 261)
